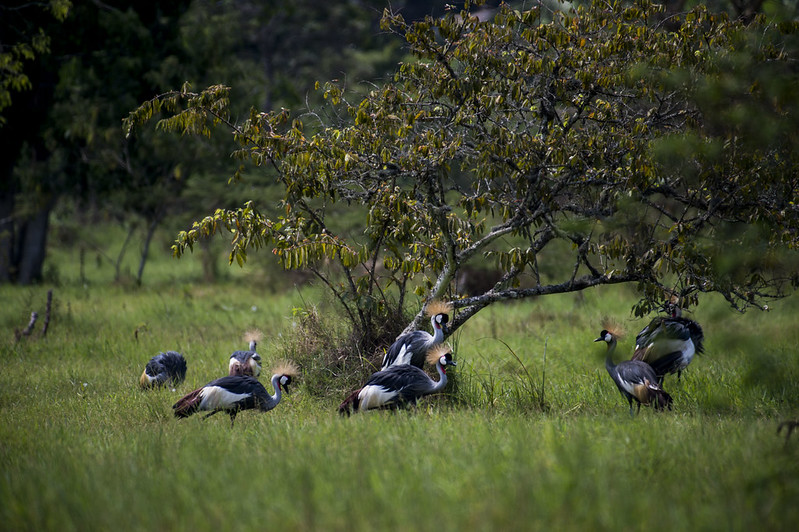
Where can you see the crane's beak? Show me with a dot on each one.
(600, 339)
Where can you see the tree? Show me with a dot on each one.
(571, 149)
(63, 134)
(25, 37)
(63, 140)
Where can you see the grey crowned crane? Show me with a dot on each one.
(635, 380)
(411, 348)
(235, 393)
(669, 343)
(400, 385)
(247, 362)
(164, 368)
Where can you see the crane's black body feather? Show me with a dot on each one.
(245, 363)
(411, 346)
(164, 368)
(668, 344)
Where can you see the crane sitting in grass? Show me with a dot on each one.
(235, 393)
(164, 368)
(668, 343)
(399, 385)
(411, 348)
(247, 362)
(635, 380)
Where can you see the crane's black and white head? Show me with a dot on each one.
(610, 331)
(441, 354)
(605, 336)
(439, 312)
(286, 371)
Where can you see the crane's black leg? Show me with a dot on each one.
(630, 400)
(232, 417)
(211, 414)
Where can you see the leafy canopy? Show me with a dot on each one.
(22, 39)
(569, 150)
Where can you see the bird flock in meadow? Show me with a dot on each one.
(666, 346)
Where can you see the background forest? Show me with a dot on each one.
(79, 70)
(73, 71)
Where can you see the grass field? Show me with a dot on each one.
(535, 437)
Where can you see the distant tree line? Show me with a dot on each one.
(71, 71)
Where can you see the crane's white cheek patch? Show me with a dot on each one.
(375, 397)
(214, 397)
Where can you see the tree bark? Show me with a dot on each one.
(32, 244)
(146, 250)
(6, 235)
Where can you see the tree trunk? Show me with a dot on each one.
(32, 243)
(146, 250)
(6, 236)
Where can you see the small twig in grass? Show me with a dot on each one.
(27, 330)
(544, 372)
(47, 312)
(790, 426)
(140, 328)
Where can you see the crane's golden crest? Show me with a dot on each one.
(438, 307)
(437, 352)
(253, 335)
(613, 327)
(286, 367)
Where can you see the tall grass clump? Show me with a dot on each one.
(334, 354)
(509, 384)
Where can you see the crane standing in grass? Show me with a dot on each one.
(247, 362)
(635, 380)
(412, 348)
(668, 343)
(399, 385)
(235, 393)
(164, 368)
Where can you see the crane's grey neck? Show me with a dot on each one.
(253, 343)
(438, 332)
(274, 399)
(442, 380)
(609, 355)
